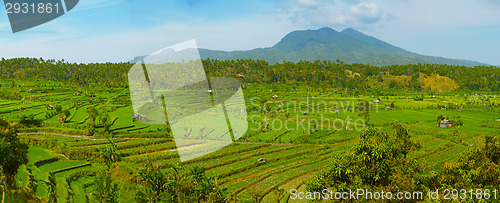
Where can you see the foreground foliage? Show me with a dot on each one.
(380, 161)
(179, 185)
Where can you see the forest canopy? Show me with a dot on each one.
(336, 74)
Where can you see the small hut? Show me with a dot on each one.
(274, 96)
(139, 117)
(50, 107)
(387, 108)
(445, 124)
(376, 101)
(261, 160)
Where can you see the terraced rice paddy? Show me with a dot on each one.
(291, 155)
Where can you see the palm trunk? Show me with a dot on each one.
(4, 190)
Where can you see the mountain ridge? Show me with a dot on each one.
(349, 46)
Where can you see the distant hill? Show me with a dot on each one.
(350, 46)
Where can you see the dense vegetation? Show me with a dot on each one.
(383, 162)
(13, 154)
(414, 77)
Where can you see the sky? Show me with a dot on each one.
(119, 30)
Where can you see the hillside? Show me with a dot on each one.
(350, 46)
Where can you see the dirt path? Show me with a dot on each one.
(65, 135)
(98, 138)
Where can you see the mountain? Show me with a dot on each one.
(349, 46)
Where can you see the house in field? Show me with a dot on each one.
(30, 90)
(376, 101)
(139, 117)
(336, 111)
(387, 108)
(50, 107)
(274, 96)
(445, 124)
(262, 160)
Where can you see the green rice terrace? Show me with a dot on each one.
(85, 145)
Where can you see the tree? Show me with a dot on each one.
(156, 184)
(106, 190)
(92, 113)
(480, 167)
(13, 152)
(58, 109)
(67, 113)
(63, 116)
(403, 144)
(109, 154)
(456, 121)
(104, 120)
(378, 160)
(30, 121)
(440, 118)
(363, 110)
(178, 185)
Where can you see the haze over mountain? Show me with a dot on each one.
(349, 46)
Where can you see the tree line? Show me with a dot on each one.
(333, 74)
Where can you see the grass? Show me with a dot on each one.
(60, 165)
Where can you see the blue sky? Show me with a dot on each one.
(119, 30)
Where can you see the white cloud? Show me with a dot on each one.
(309, 3)
(235, 34)
(366, 12)
(334, 13)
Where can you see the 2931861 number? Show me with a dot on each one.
(32, 8)
(472, 194)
